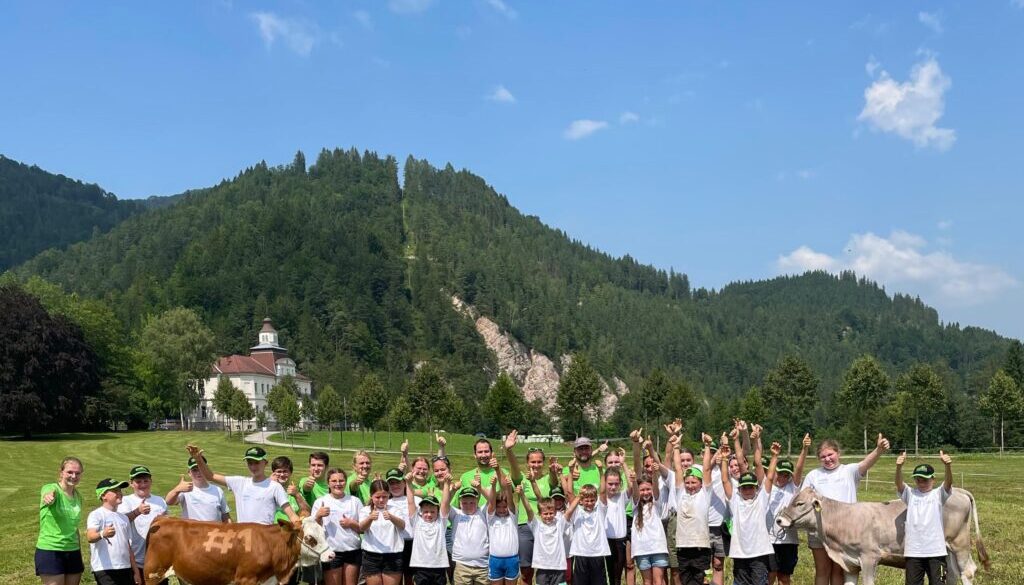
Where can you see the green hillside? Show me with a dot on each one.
(357, 274)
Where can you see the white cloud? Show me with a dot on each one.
(503, 9)
(364, 19)
(945, 224)
(871, 66)
(297, 35)
(910, 109)
(409, 6)
(583, 128)
(932, 20)
(502, 95)
(628, 118)
(903, 260)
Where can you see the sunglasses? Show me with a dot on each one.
(436, 458)
(535, 450)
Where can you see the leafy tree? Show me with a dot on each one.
(578, 391)
(400, 416)
(1002, 399)
(450, 413)
(655, 388)
(261, 418)
(369, 402)
(240, 408)
(791, 392)
(222, 398)
(175, 352)
(921, 396)
(863, 394)
(426, 391)
(752, 407)
(46, 367)
(1014, 364)
(681, 401)
(504, 407)
(328, 410)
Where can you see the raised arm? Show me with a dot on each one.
(798, 471)
(395, 519)
(677, 464)
(769, 480)
(524, 502)
(602, 492)
(881, 446)
(410, 495)
(183, 486)
(571, 508)
(510, 454)
(441, 443)
(723, 463)
(947, 482)
(507, 489)
(196, 453)
(755, 436)
(740, 441)
(403, 461)
(707, 461)
(488, 493)
(446, 496)
(900, 460)
(638, 455)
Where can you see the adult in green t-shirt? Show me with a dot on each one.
(486, 467)
(315, 485)
(359, 480)
(58, 557)
(536, 475)
(586, 470)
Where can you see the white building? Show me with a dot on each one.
(265, 366)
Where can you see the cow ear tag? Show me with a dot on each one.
(817, 506)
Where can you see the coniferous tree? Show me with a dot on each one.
(863, 394)
(790, 391)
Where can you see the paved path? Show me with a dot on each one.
(264, 438)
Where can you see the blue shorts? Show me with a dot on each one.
(503, 568)
(646, 562)
(58, 562)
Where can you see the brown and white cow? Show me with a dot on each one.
(859, 537)
(207, 553)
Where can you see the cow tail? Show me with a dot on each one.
(982, 553)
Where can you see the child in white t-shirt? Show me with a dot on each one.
(587, 515)
(649, 544)
(502, 530)
(693, 504)
(924, 546)
(549, 529)
(338, 512)
(749, 547)
(141, 507)
(382, 538)
(785, 542)
(109, 534)
(470, 545)
(427, 520)
(199, 499)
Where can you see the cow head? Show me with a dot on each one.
(313, 538)
(801, 512)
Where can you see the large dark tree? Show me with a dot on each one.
(46, 368)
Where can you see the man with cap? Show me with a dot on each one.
(924, 546)
(257, 497)
(585, 470)
(108, 532)
(141, 507)
(199, 499)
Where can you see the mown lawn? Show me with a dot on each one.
(998, 484)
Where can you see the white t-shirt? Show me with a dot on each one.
(503, 535)
(382, 536)
(667, 484)
(549, 550)
(615, 517)
(470, 544)
(399, 505)
(749, 534)
(338, 538)
(777, 502)
(924, 534)
(256, 501)
(589, 538)
(692, 518)
(649, 540)
(719, 507)
(428, 543)
(839, 484)
(207, 504)
(140, 525)
(115, 553)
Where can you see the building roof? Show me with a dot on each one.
(240, 364)
(267, 327)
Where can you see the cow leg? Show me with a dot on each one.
(868, 568)
(851, 579)
(960, 565)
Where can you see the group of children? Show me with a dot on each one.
(586, 523)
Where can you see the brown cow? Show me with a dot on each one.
(861, 536)
(206, 553)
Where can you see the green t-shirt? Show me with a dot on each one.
(363, 493)
(485, 480)
(429, 488)
(588, 476)
(280, 515)
(544, 485)
(319, 489)
(58, 522)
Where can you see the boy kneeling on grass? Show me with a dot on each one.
(924, 546)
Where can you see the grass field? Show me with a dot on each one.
(998, 484)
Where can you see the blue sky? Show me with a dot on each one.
(730, 141)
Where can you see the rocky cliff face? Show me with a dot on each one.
(534, 372)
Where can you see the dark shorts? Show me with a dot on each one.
(59, 562)
(589, 571)
(342, 558)
(377, 563)
(932, 567)
(406, 557)
(549, 577)
(719, 548)
(525, 545)
(114, 577)
(693, 563)
(670, 538)
(430, 576)
(750, 571)
(784, 559)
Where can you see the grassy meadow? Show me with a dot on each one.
(997, 483)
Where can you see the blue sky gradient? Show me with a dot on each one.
(730, 141)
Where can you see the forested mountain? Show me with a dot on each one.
(358, 274)
(40, 210)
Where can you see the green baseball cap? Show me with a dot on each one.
(556, 492)
(924, 471)
(394, 474)
(430, 499)
(255, 454)
(105, 485)
(139, 470)
(694, 472)
(748, 479)
(469, 492)
(192, 462)
(713, 446)
(784, 466)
